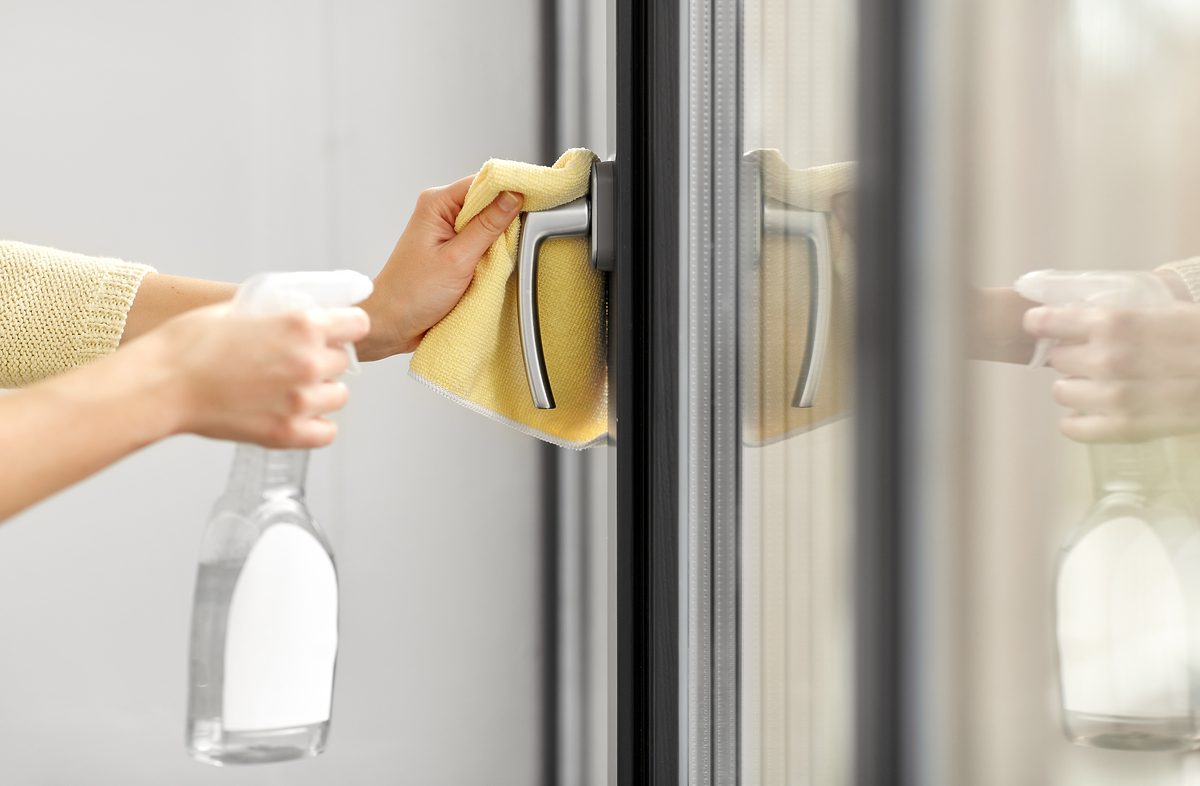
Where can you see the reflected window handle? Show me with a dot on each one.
(591, 215)
(813, 226)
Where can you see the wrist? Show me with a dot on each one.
(388, 335)
(161, 387)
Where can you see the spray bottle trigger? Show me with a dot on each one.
(353, 368)
(1041, 351)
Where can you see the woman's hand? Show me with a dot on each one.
(1129, 374)
(430, 268)
(426, 275)
(265, 379)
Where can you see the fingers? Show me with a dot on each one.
(317, 341)
(329, 363)
(328, 397)
(1131, 373)
(440, 205)
(315, 391)
(302, 434)
(445, 201)
(1090, 428)
(317, 400)
(477, 236)
(1116, 428)
(1127, 398)
(1099, 360)
(1072, 360)
(456, 192)
(1123, 410)
(299, 423)
(342, 325)
(1065, 324)
(316, 433)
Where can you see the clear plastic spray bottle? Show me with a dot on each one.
(1128, 583)
(265, 616)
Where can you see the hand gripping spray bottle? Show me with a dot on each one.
(264, 623)
(1128, 584)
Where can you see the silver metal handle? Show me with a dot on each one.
(814, 227)
(573, 218)
(592, 215)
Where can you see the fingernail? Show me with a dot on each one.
(509, 201)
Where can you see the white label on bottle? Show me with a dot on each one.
(1122, 625)
(282, 636)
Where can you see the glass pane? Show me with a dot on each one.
(1075, 568)
(795, 322)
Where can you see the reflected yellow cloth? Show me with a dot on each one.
(474, 354)
(59, 310)
(777, 300)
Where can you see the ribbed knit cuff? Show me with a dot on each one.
(1189, 271)
(104, 324)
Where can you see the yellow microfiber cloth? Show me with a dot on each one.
(779, 299)
(474, 355)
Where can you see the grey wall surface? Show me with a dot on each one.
(217, 139)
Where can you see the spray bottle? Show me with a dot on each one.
(1128, 582)
(265, 616)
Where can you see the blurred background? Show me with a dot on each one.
(217, 139)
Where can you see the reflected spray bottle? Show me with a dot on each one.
(1127, 589)
(265, 615)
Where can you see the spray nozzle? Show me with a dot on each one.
(1114, 288)
(271, 293)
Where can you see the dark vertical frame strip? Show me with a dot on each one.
(880, 527)
(644, 361)
(626, 405)
(548, 454)
(663, 260)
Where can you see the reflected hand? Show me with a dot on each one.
(431, 267)
(1129, 374)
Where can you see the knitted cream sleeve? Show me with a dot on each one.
(1189, 271)
(59, 310)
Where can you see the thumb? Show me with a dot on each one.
(477, 236)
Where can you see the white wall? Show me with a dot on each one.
(215, 139)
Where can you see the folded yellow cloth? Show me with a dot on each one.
(777, 294)
(474, 354)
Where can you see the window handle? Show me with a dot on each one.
(813, 226)
(591, 215)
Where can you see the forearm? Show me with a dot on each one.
(161, 297)
(60, 431)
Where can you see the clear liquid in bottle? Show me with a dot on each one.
(1128, 591)
(264, 624)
